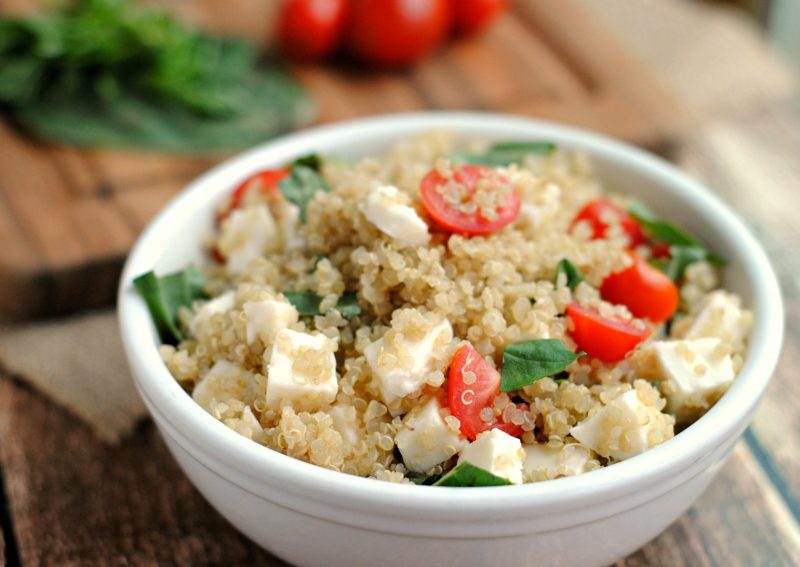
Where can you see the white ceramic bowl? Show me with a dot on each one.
(312, 516)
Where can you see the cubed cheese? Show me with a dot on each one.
(696, 373)
(402, 358)
(720, 315)
(301, 371)
(426, 439)
(265, 318)
(543, 462)
(541, 206)
(207, 310)
(289, 223)
(345, 421)
(388, 209)
(222, 382)
(624, 428)
(497, 452)
(246, 424)
(245, 235)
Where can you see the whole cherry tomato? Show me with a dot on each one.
(468, 396)
(607, 339)
(394, 33)
(471, 17)
(310, 30)
(644, 290)
(461, 214)
(598, 212)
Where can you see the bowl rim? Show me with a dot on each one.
(164, 395)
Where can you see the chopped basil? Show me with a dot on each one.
(574, 275)
(165, 295)
(503, 154)
(314, 161)
(684, 249)
(680, 257)
(528, 361)
(307, 303)
(465, 475)
(300, 186)
(317, 260)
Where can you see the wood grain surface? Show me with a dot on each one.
(68, 217)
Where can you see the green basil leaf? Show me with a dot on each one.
(503, 154)
(659, 230)
(468, 475)
(574, 275)
(528, 361)
(165, 295)
(314, 161)
(308, 303)
(300, 186)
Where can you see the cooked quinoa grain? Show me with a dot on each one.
(404, 382)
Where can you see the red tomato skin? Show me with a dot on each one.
(471, 17)
(269, 179)
(594, 211)
(397, 33)
(609, 340)
(485, 388)
(645, 291)
(455, 221)
(310, 30)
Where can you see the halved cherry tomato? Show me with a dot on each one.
(659, 250)
(395, 33)
(310, 30)
(451, 216)
(644, 290)
(266, 181)
(473, 16)
(602, 337)
(596, 212)
(467, 400)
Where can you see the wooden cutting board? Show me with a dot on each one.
(68, 217)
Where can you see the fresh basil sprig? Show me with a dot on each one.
(503, 154)
(574, 275)
(468, 475)
(165, 295)
(300, 186)
(684, 249)
(308, 303)
(528, 361)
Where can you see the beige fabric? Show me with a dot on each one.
(80, 364)
(714, 60)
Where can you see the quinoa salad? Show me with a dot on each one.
(452, 313)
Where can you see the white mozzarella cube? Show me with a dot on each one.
(400, 364)
(345, 421)
(207, 310)
(624, 428)
(497, 452)
(720, 315)
(426, 439)
(246, 234)
(543, 462)
(696, 373)
(266, 318)
(301, 371)
(246, 425)
(289, 223)
(386, 208)
(222, 382)
(540, 206)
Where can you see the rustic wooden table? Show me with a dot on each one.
(67, 498)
